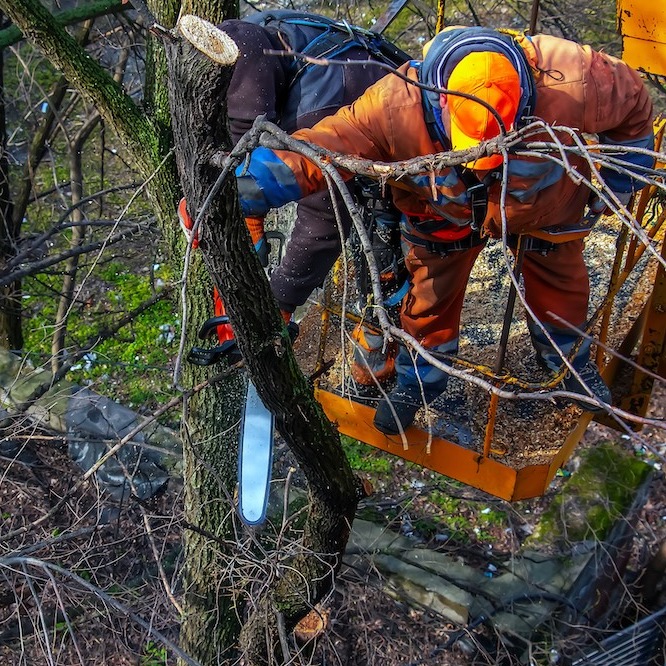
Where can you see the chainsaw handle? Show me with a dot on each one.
(209, 326)
(205, 356)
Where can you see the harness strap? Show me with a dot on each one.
(532, 244)
(444, 248)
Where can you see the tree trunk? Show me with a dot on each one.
(197, 90)
(210, 626)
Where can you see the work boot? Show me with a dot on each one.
(372, 363)
(453, 422)
(590, 378)
(406, 401)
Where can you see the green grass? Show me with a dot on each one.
(594, 497)
(133, 366)
(364, 458)
(153, 655)
(464, 520)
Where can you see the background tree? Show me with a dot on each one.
(145, 132)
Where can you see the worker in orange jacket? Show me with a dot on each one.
(447, 215)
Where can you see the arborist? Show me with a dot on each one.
(295, 94)
(448, 215)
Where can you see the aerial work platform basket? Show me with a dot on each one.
(628, 325)
(630, 330)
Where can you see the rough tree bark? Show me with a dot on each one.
(197, 87)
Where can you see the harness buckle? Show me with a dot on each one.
(441, 249)
(478, 199)
(532, 244)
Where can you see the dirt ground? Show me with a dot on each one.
(48, 613)
(97, 583)
(94, 542)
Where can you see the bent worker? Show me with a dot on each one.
(293, 95)
(520, 78)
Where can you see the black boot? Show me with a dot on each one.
(590, 382)
(406, 401)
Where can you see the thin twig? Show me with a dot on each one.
(13, 561)
(158, 562)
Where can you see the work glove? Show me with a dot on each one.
(254, 224)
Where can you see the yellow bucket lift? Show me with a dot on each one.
(642, 24)
(485, 466)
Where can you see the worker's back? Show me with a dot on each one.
(290, 91)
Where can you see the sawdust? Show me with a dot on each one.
(526, 432)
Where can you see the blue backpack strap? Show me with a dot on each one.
(321, 37)
(311, 91)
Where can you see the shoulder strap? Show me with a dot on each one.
(320, 36)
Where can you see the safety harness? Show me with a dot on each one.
(444, 248)
(381, 220)
(321, 37)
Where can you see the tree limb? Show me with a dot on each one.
(94, 83)
(13, 34)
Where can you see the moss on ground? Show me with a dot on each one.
(363, 458)
(595, 496)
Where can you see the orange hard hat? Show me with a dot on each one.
(493, 79)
